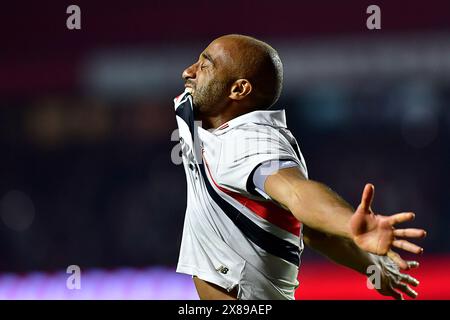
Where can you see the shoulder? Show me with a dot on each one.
(256, 138)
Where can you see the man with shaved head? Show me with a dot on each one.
(250, 203)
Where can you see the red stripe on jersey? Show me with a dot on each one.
(266, 210)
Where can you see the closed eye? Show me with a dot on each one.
(207, 58)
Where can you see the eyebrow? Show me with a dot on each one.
(208, 57)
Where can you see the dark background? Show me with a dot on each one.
(86, 117)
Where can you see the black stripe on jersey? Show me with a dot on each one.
(185, 112)
(263, 239)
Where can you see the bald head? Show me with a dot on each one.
(234, 75)
(257, 62)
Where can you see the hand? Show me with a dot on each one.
(393, 283)
(376, 233)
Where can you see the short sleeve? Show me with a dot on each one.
(246, 147)
(263, 171)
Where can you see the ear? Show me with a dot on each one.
(240, 89)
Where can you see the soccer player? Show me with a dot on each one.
(250, 204)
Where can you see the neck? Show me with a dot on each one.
(215, 121)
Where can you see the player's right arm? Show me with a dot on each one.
(321, 209)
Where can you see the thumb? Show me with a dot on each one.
(367, 197)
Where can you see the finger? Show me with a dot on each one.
(409, 280)
(413, 264)
(401, 217)
(410, 233)
(402, 264)
(397, 295)
(407, 246)
(406, 289)
(367, 196)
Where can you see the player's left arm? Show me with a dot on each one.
(321, 209)
(344, 252)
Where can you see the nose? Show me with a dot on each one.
(190, 72)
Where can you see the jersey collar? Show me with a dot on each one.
(275, 118)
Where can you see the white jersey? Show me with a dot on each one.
(232, 236)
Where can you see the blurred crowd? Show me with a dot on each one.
(91, 182)
(86, 118)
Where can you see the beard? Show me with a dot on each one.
(208, 98)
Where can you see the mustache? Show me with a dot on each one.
(190, 84)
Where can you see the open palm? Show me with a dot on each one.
(376, 233)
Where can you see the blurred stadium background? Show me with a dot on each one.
(86, 120)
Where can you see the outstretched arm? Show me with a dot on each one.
(319, 208)
(338, 249)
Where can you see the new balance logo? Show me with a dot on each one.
(223, 269)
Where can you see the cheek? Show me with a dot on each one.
(202, 80)
(209, 85)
